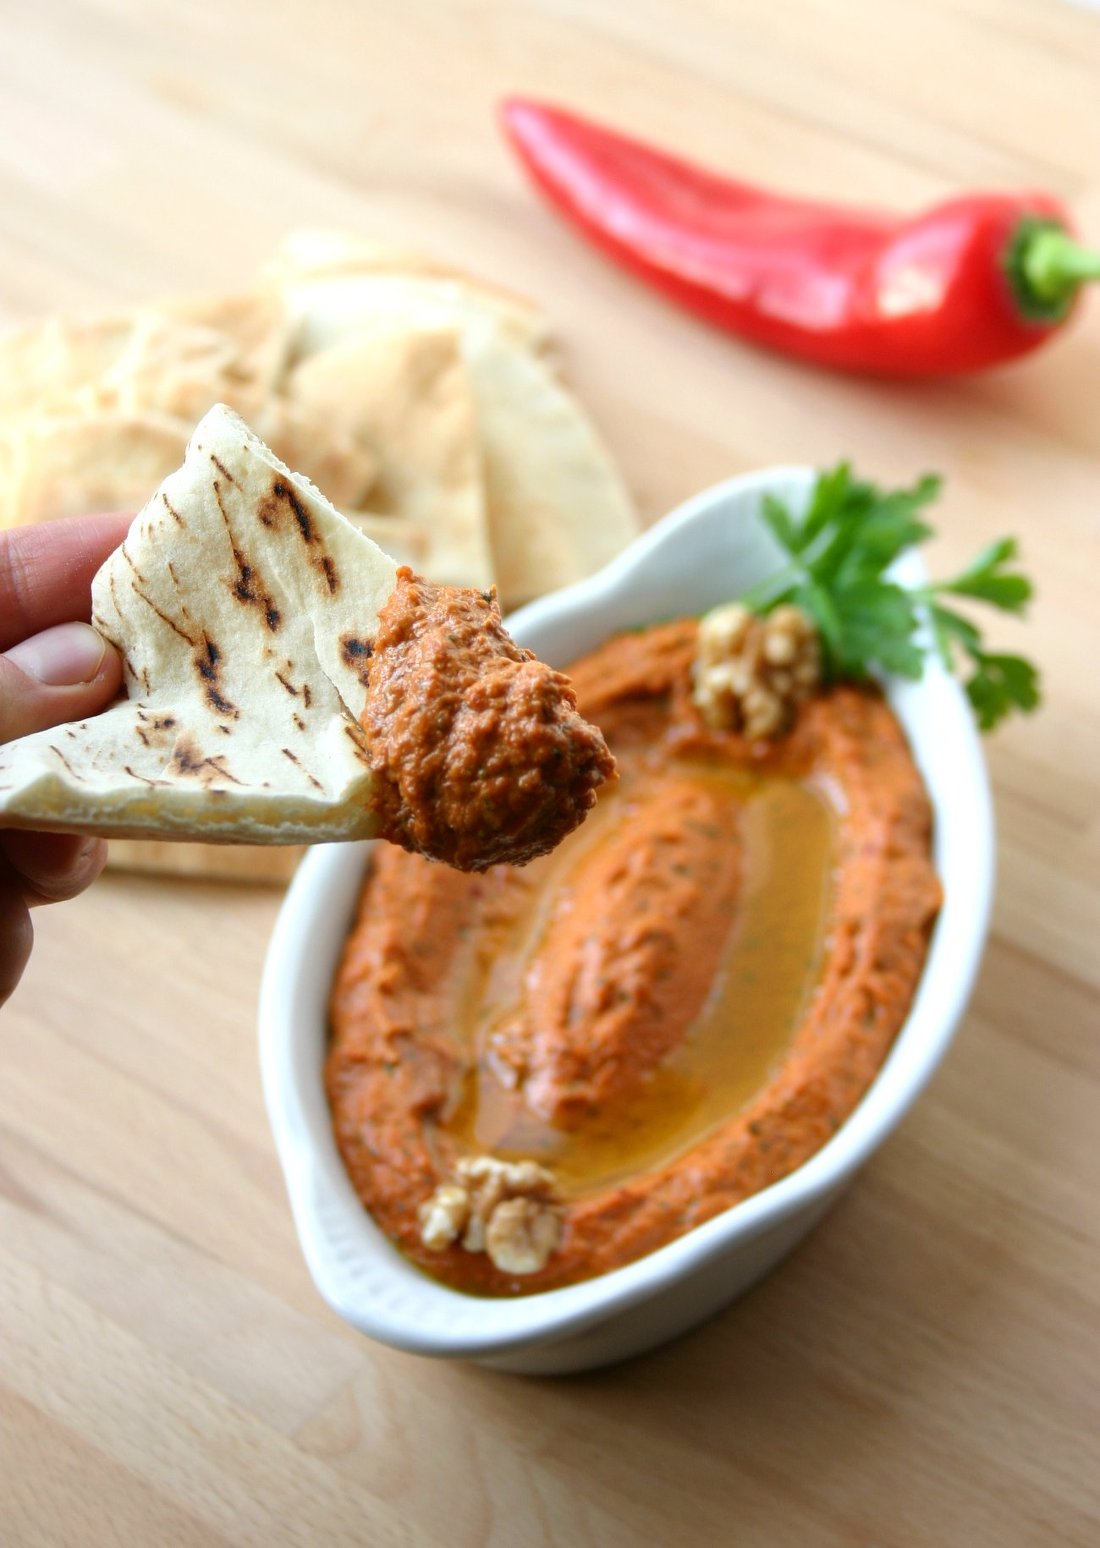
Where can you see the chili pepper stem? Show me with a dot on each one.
(1053, 266)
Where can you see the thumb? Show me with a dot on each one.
(62, 674)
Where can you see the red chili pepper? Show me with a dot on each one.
(969, 283)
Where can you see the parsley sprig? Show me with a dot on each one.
(840, 551)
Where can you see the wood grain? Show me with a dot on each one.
(925, 1369)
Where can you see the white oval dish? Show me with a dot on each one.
(708, 550)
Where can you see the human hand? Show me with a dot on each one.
(54, 668)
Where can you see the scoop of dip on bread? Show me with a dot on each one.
(287, 682)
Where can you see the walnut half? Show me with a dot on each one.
(507, 1209)
(751, 673)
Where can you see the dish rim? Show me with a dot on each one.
(485, 1327)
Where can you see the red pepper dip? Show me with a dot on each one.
(478, 750)
(539, 1075)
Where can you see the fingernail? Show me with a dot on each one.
(63, 657)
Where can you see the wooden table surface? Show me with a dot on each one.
(924, 1370)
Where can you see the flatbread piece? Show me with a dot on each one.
(244, 605)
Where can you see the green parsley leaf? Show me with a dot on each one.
(999, 685)
(779, 519)
(987, 579)
(839, 556)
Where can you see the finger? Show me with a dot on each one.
(62, 674)
(51, 867)
(46, 571)
(16, 936)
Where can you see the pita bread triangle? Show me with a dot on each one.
(244, 606)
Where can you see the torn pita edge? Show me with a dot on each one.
(321, 252)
